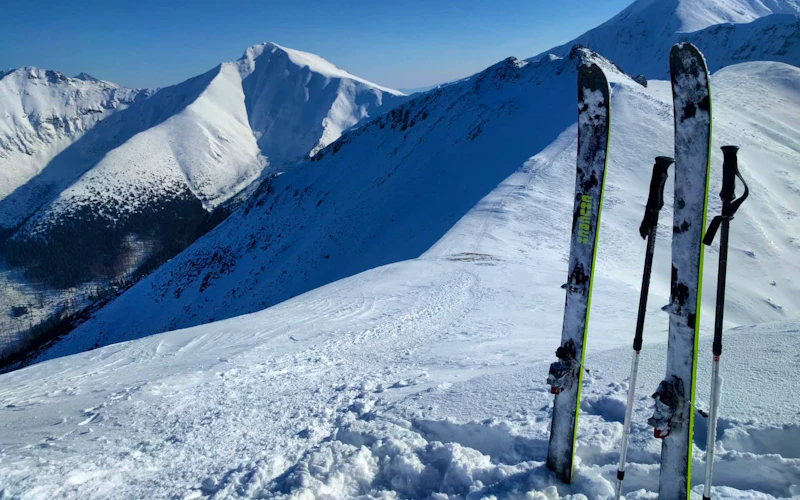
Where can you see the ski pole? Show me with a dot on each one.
(655, 201)
(730, 170)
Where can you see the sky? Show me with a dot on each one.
(403, 44)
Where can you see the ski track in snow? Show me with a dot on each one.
(403, 387)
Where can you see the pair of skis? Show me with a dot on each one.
(674, 416)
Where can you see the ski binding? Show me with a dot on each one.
(668, 398)
(562, 372)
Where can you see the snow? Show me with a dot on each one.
(726, 31)
(305, 59)
(389, 195)
(427, 377)
(74, 146)
(407, 288)
(44, 112)
(298, 103)
(399, 381)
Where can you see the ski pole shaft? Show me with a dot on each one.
(623, 454)
(711, 439)
(648, 229)
(730, 170)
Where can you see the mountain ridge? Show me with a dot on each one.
(149, 177)
(726, 31)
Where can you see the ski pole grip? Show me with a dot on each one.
(655, 199)
(730, 167)
(660, 173)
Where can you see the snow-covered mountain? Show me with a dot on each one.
(42, 113)
(426, 378)
(360, 203)
(389, 190)
(288, 103)
(99, 181)
(727, 31)
(298, 103)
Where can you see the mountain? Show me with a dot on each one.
(727, 31)
(298, 103)
(389, 190)
(105, 183)
(43, 113)
(384, 192)
(426, 378)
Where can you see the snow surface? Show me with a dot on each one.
(42, 113)
(727, 32)
(298, 103)
(422, 379)
(201, 138)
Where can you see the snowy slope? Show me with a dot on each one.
(419, 378)
(295, 102)
(726, 31)
(299, 103)
(384, 194)
(207, 147)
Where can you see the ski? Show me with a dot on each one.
(673, 418)
(565, 377)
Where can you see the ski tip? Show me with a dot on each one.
(686, 57)
(591, 77)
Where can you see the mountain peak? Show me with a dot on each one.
(640, 36)
(303, 59)
(270, 51)
(86, 77)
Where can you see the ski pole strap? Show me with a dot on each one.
(655, 200)
(730, 204)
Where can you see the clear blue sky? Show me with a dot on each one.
(413, 43)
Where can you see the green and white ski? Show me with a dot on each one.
(673, 418)
(594, 119)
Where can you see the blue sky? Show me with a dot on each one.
(414, 43)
